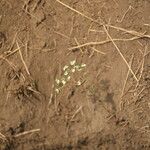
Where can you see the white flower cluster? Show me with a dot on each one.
(68, 70)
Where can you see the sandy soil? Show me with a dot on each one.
(74, 74)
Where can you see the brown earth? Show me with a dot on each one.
(106, 105)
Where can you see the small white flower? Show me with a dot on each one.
(57, 81)
(79, 69)
(57, 90)
(65, 67)
(73, 70)
(83, 65)
(79, 83)
(68, 78)
(72, 62)
(77, 66)
(63, 82)
(66, 73)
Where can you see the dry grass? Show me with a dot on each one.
(125, 83)
(102, 42)
(2, 136)
(27, 132)
(124, 15)
(22, 59)
(132, 32)
(121, 54)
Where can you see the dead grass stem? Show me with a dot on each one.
(76, 112)
(22, 59)
(132, 32)
(127, 76)
(102, 42)
(2, 57)
(125, 82)
(142, 67)
(124, 15)
(98, 51)
(120, 53)
(78, 44)
(27, 132)
(2, 136)
(13, 42)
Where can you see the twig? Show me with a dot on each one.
(26, 50)
(140, 43)
(26, 4)
(76, 112)
(142, 67)
(32, 90)
(33, 16)
(72, 26)
(13, 67)
(26, 132)
(120, 53)
(48, 50)
(78, 44)
(63, 35)
(98, 31)
(124, 14)
(147, 53)
(147, 25)
(56, 104)
(132, 32)
(102, 42)
(94, 49)
(3, 136)
(140, 51)
(126, 79)
(137, 95)
(125, 82)
(11, 53)
(50, 99)
(13, 42)
(36, 5)
(138, 68)
(108, 23)
(89, 29)
(27, 47)
(0, 18)
(76, 11)
(92, 53)
(115, 2)
(26, 68)
(11, 64)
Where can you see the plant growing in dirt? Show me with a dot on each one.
(68, 71)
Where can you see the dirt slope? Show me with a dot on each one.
(57, 94)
